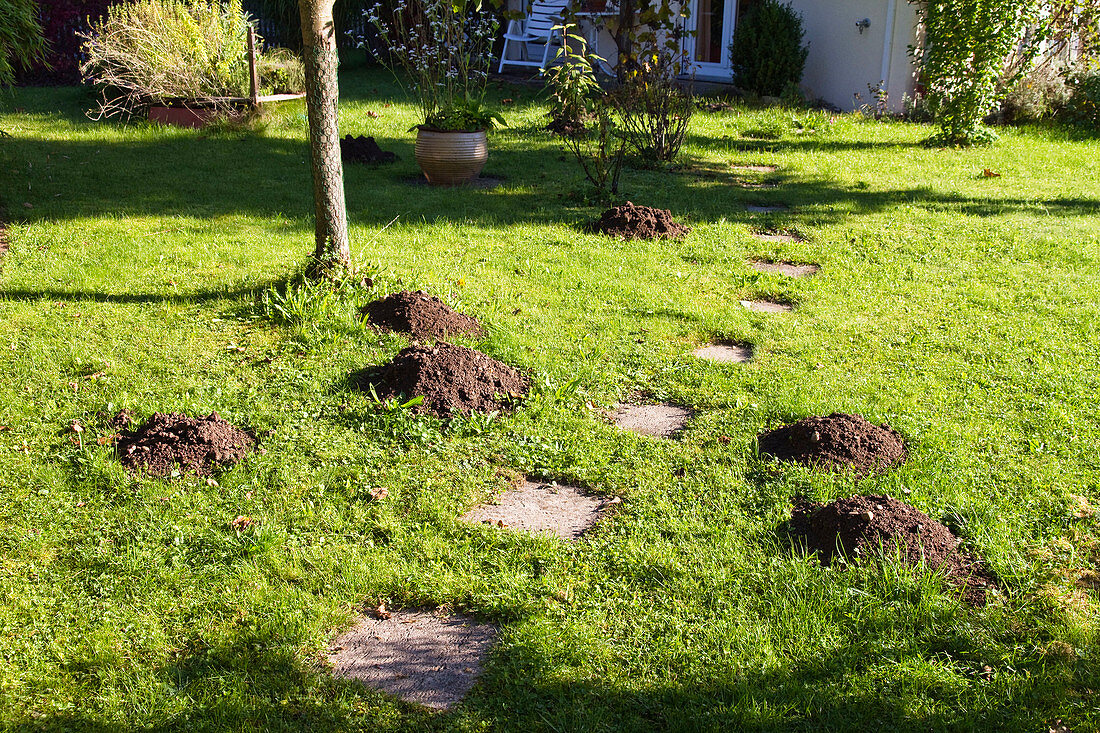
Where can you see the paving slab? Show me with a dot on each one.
(791, 269)
(418, 656)
(767, 306)
(563, 510)
(659, 421)
(725, 353)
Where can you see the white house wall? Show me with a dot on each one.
(842, 61)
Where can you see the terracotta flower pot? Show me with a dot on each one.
(451, 158)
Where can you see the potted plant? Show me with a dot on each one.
(442, 48)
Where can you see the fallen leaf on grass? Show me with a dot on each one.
(76, 427)
(378, 494)
(380, 612)
(211, 483)
(987, 173)
(241, 522)
(507, 100)
(1059, 727)
(372, 113)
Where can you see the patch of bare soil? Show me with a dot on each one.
(196, 445)
(448, 377)
(420, 315)
(420, 657)
(638, 222)
(364, 150)
(539, 507)
(864, 527)
(838, 441)
(659, 421)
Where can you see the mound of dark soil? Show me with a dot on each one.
(861, 527)
(449, 377)
(194, 444)
(638, 222)
(420, 315)
(838, 441)
(364, 150)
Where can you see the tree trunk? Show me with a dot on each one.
(332, 255)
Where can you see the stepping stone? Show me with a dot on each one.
(766, 208)
(782, 237)
(767, 306)
(659, 421)
(414, 655)
(533, 507)
(725, 353)
(756, 168)
(790, 269)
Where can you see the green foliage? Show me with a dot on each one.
(463, 116)
(281, 72)
(594, 137)
(766, 53)
(572, 83)
(1083, 108)
(654, 109)
(20, 38)
(966, 45)
(443, 49)
(167, 49)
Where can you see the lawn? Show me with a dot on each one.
(960, 309)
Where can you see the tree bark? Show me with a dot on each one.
(332, 255)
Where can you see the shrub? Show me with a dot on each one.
(592, 135)
(281, 72)
(653, 108)
(1083, 108)
(1040, 94)
(966, 45)
(156, 50)
(766, 53)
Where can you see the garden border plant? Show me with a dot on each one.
(965, 47)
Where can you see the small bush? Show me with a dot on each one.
(766, 53)
(653, 108)
(1083, 109)
(156, 50)
(1039, 95)
(281, 72)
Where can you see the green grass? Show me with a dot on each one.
(961, 310)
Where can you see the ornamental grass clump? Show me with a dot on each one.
(443, 50)
(162, 50)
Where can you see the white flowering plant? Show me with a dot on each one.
(443, 50)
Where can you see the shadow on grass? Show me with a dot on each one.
(265, 177)
(259, 682)
(248, 292)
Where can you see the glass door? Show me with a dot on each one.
(712, 21)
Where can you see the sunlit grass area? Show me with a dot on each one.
(959, 308)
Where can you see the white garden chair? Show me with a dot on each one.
(541, 27)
